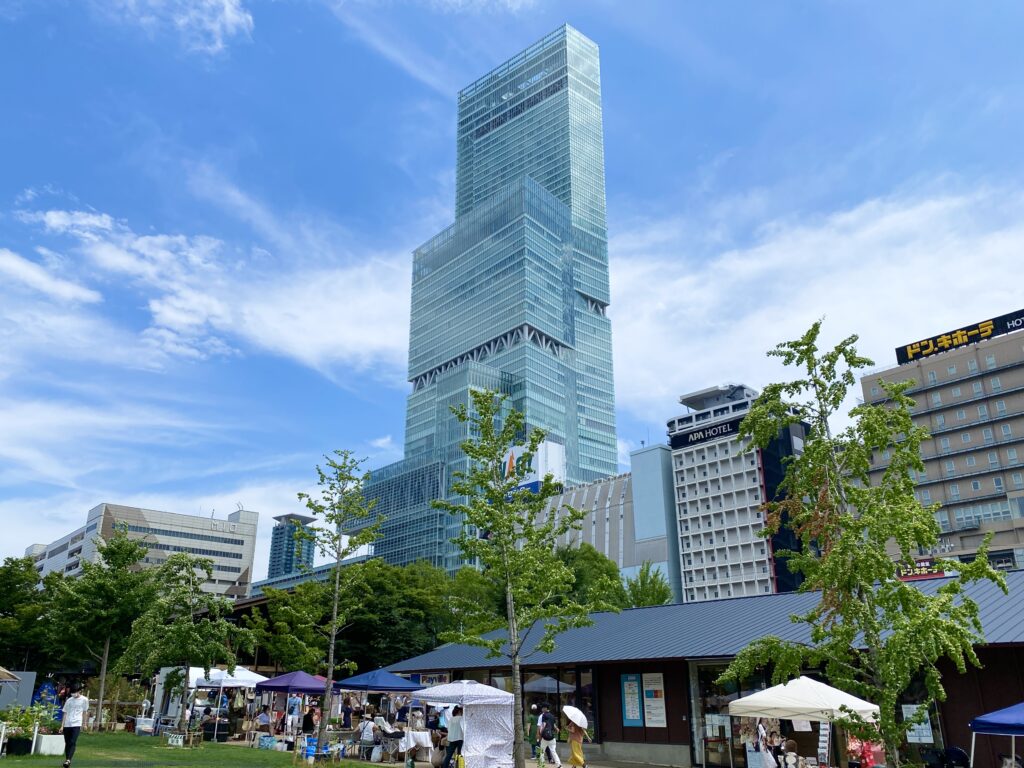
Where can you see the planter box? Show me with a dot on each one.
(49, 744)
(19, 745)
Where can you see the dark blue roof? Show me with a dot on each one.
(712, 629)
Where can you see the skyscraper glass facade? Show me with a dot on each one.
(287, 555)
(513, 295)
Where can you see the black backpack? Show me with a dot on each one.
(547, 732)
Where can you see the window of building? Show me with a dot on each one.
(971, 461)
(975, 485)
(944, 443)
(926, 495)
(1018, 480)
(922, 475)
(956, 391)
(875, 391)
(986, 433)
(940, 420)
(1011, 455)
(950, 467)
(982, 411)
(886, 454)
(978, 389)
(972, 365)
(961, 414)
(951, 370)
(1001, 407)
(954, 490)
(997, 483)
(965, 437)
(932, 378)
(993, 459)
(990, 361)
(996, 384)
(1007, 432)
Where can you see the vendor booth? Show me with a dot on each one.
(487, 720)
(805, 700)
(220, 680)
(1003, 722)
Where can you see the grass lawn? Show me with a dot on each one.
(122, 750)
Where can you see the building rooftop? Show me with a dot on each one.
(292, 517)
(710, 629)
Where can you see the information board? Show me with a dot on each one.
(632, 711)
(654, 700)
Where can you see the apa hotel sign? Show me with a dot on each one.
(706, 434)
(969, 334)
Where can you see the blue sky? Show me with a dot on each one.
(207, 209)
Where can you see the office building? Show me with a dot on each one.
(720, 487)
(513, 295)
(968, 387)
(228, 544)
(287, 553)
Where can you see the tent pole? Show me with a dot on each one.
(973, 736)
(216, 719)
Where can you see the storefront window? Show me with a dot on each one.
(585, 698)
(715, 733)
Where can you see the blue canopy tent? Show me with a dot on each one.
(378, 680)
(1003, 722)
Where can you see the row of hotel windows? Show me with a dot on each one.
(186, 535)
(987, 436)
(976, 389)
(972, 461)
(961, 414)
(933, 378)
(1016, 479)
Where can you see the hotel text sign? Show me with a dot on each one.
(970, 334)
(704, 434)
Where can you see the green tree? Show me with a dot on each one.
(397, 612)
(339, 506)
(293, 631)
(184, 626)
(508, 532)
(872, 634)
(648, 587)
(470, 595)
(95, 611)
(596, 577)
(22, 606)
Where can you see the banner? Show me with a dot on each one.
(654, 700)
(632, 712)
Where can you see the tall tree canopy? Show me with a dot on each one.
(507, 531)
(648, 587)
(94, 612)
(873, 634)
(596, 577)
(22, 605)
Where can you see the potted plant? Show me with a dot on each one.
(35, 721)
(19, 731)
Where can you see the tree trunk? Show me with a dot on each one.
(103, 681)
(182, 720)
(518, 740)
(321, 734)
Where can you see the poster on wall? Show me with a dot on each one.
(824, 740)
(632, 714)
(654, 700)
(922, 732)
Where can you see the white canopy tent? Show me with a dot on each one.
(487, 720)
(220, 679)
(802, 699)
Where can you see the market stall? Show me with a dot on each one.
(1002, 722)
(487, 720)
(220, 679)
(807, 700)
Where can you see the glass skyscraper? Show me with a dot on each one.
(513, 295)
(288, 555)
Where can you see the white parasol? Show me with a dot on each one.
(575, 715)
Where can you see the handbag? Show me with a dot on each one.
(377, 755)
(460, 761)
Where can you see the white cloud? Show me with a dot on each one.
(889, 269)
(206, 26)
(34, 276)
(383, 442)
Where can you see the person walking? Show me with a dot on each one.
(455, 735)
(531, 731)
(576, 736)
(75, 708)
(547, 728)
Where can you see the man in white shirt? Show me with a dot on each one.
(366, 736)
(75, 708)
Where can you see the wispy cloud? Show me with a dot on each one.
(34, 276)
(205, 26)
(682, 322)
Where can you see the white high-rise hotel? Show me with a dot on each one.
(719, 489)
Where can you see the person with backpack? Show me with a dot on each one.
(547, 728)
